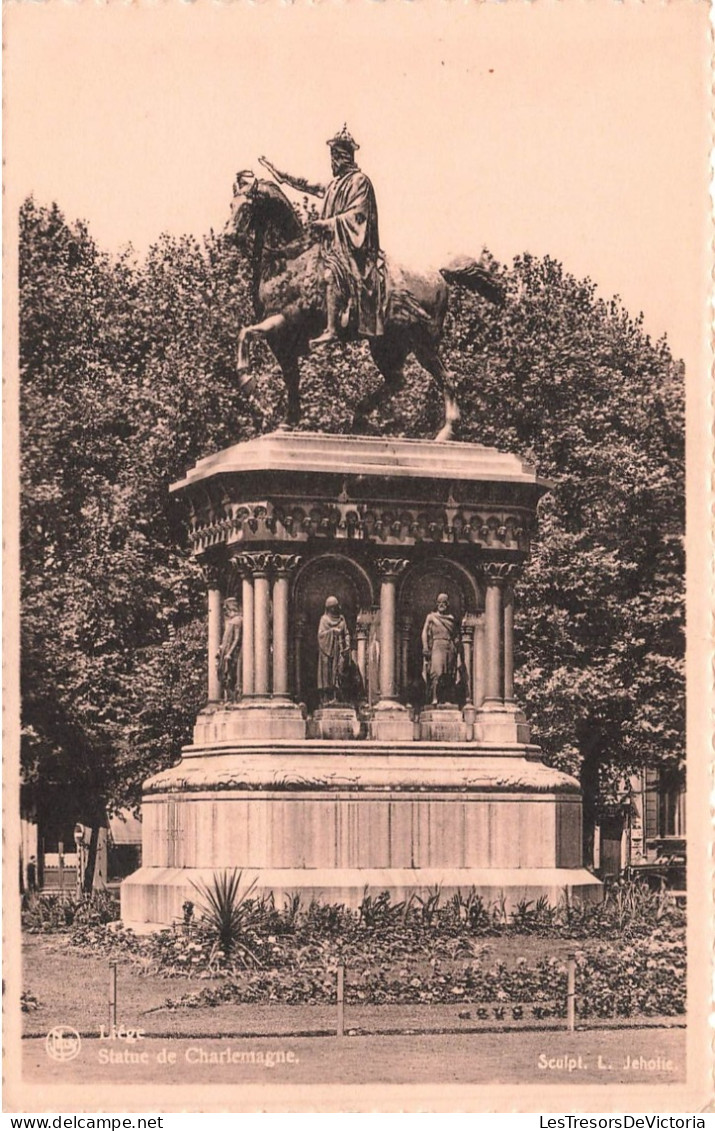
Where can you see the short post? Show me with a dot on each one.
(341, 1001)
(571, 994)
(61, 864)
(112, 997)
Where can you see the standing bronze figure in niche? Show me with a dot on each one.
(441, 653)
(230, 652)
(333, 651)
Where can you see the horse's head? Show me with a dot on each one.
(259, 208)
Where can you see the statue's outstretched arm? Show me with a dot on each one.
(298, 183)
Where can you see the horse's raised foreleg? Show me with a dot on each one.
(428, 357)
(273, 324)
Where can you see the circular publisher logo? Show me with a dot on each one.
(63, 1043)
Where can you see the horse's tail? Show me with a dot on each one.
(469, 273)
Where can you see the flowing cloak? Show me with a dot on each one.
(333, 641)
(352, 253)
(440, 639)
(229, 653)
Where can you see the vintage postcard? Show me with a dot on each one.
(357, 557)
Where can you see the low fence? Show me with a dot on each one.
(498, 1011)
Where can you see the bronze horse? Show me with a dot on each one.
(289, 302)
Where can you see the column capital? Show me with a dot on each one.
(500, 573)
(261, 563)
(242, 567)
(364, 619)
(391, 568)
(256, 564)
(213, 574)
(285, 564)
(467, 626)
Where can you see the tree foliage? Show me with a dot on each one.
(127, 371)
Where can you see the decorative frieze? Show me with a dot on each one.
(383, 523)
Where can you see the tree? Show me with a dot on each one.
(573, 382)
(122, 366)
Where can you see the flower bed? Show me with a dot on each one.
(419, 952)
(647, 979)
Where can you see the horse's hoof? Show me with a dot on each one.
(446, 433)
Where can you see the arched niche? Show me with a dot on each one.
(416, 598)
(327, 575)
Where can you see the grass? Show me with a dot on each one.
(72, 989)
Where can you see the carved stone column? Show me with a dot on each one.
(391, 720)
(283, 564)
(493, 573)
(479, 661)
(509, 635)
(259, 564)
(213, 577)
(243, 565)
(405, 629)
(389, 570)
(467, 637)
(362, 630)
(301, 624)
(498, 717)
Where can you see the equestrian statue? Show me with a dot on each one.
(328, 281)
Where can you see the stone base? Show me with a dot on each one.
(391, 722)
(334, 721)
(152, 898)
(442, 723)
(327, 818)
(501, 725)
(250, 720)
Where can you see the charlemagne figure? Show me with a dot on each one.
(441, 653)
(351, 260)
(333, 650)
(230, 653)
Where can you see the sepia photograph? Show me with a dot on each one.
(357, 553)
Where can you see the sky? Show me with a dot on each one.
(576, 129)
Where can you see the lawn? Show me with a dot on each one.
(71, 988)
(244, 1043)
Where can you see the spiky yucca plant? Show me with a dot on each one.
(224, 909)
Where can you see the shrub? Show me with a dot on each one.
(225, 911)
(100, 907)
(57, 912)
(48, 912)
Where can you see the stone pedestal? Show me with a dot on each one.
(249, 721)
(330, 818)
(501, 724)
(391, 723)
(335, 722)
(442, 723)
(379, 790)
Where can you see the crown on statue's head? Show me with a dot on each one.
(243, 179)
(343, 139)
